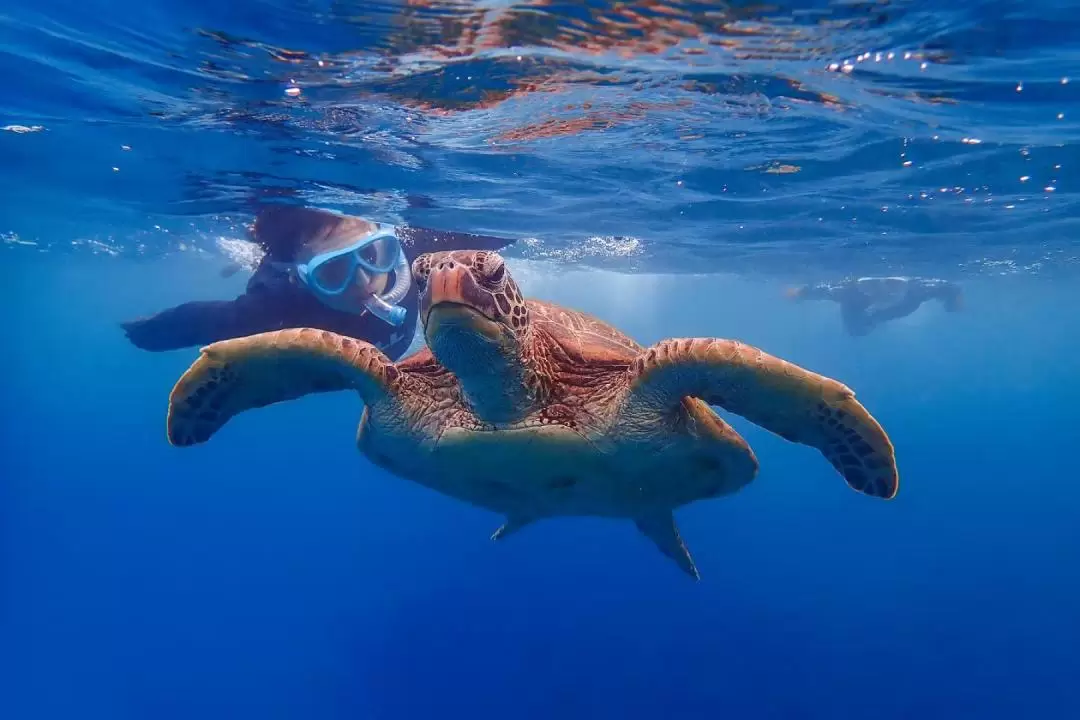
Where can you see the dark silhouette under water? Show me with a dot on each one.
(275, 298)
(867, 303)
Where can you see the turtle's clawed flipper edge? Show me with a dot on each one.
(232, 376)
(661, 529)
(796, 404)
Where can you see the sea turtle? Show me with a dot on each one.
(533, 410)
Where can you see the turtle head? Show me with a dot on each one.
(477, 325)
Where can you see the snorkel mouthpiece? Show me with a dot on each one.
(390, 314)
(385, 306)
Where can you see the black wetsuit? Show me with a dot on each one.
(866, 303)
(275, 300)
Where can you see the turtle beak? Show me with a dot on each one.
(445, 285)
(454, 306)
(451, 283)
(450, 318)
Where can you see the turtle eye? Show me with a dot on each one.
(496, 276)
(420, 269)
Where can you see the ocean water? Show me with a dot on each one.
(672, 168)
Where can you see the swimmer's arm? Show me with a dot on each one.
(938, 288)
(822, 291)
(198, 323)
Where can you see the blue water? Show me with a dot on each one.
(669, 170)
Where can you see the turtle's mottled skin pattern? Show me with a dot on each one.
(533, 410)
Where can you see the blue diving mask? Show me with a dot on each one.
(330, 274)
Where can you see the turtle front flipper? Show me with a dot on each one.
(796, 404)
(232, 376)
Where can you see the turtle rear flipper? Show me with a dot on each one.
(660, 527)
(232, 376)
(796, 404)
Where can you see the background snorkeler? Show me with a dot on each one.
(866, 303)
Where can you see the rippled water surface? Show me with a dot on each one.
(872, 136)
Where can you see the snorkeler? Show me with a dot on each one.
(866, 303)
(321, 269)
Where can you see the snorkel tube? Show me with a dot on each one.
(385, 306)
